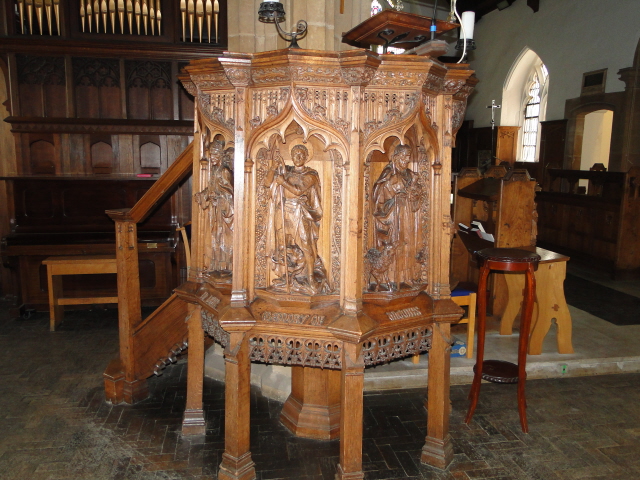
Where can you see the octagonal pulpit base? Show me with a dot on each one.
(313, 407)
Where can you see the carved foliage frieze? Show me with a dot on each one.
(399, 78)
(210, 81)
(211, 325)
(460, 106)
(263, 198)
(316, 74)
(384, 108)
(267, 104)
(284, 350)
(327, 105)
(336, 237)
(270, 75)
(384, 348)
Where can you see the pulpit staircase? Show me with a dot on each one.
(146, 346)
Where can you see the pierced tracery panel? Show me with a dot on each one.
(307, 352)
(384, 348)
(218, 108)
(267, 103)
(328, 105)
(384, 108)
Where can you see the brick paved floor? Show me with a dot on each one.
(55, 424)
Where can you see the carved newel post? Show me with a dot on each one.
(321, 234)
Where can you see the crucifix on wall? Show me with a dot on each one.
(493, 107)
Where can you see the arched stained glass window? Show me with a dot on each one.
(531, 123)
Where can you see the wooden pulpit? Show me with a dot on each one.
(321, 233)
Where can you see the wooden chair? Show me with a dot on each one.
(466, 297)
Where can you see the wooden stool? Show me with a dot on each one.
(509, 260)
(77, 265)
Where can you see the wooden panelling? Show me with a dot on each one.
(66, 216)
(602, 228)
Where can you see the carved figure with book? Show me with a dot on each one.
(397, 197)
(217, 198)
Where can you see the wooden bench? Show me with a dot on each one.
(550, 302)
(76, 265)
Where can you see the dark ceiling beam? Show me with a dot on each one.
(483, 7)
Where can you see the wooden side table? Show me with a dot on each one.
(550, 302)
(506, 260)
(76, 265)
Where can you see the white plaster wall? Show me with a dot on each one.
(596, 139)
(570, 36)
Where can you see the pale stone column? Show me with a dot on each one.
(325, 24)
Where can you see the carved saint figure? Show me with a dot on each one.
(217, 198)
(293, 225)
(397, 197)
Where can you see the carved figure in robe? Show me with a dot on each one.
(397, 197)
(217, 198)
(293, 225)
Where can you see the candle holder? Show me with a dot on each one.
(273, 12)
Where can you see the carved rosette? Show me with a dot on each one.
(211, 325)
(433, 83)
(330, 106)
(285, 350)
(392, 346)
(452, 86)
(238, 76)
(267, 104)
(358, 75)
(383, 109)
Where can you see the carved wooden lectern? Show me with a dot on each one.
(321, 234)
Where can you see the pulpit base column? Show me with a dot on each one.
(241, 468)
(313, 408)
